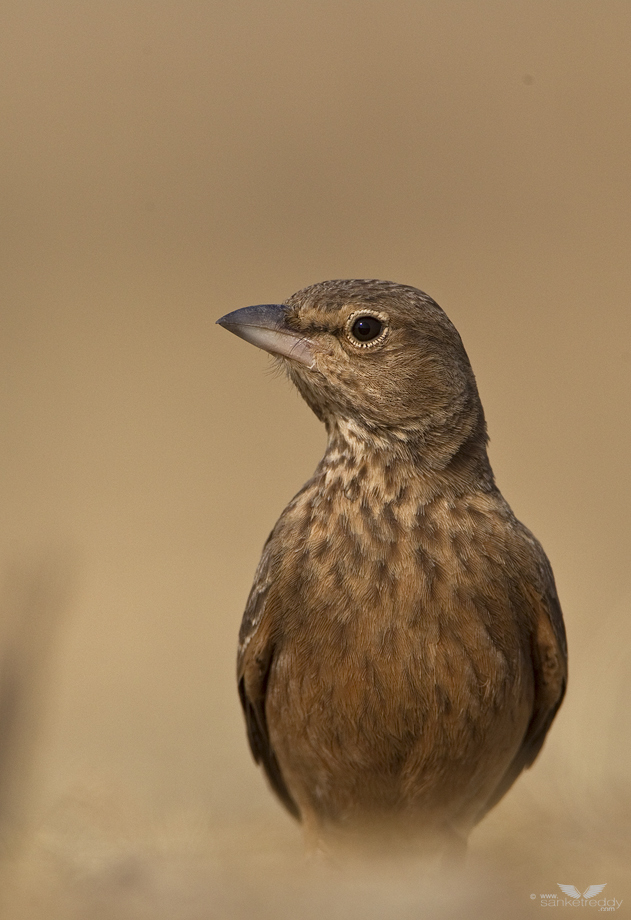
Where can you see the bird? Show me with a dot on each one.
(402, 653)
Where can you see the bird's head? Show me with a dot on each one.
(375, 360)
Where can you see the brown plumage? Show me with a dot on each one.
(402, 653)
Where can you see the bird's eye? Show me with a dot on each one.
(366, 328)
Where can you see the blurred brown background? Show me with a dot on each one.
(163, 163)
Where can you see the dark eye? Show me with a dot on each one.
(366, 328)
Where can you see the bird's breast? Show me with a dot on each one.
(401, 640)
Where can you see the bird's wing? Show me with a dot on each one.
(592, 891)
(254, 660)
(569, 890)
(548, 649)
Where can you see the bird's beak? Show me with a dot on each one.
(264, 326)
